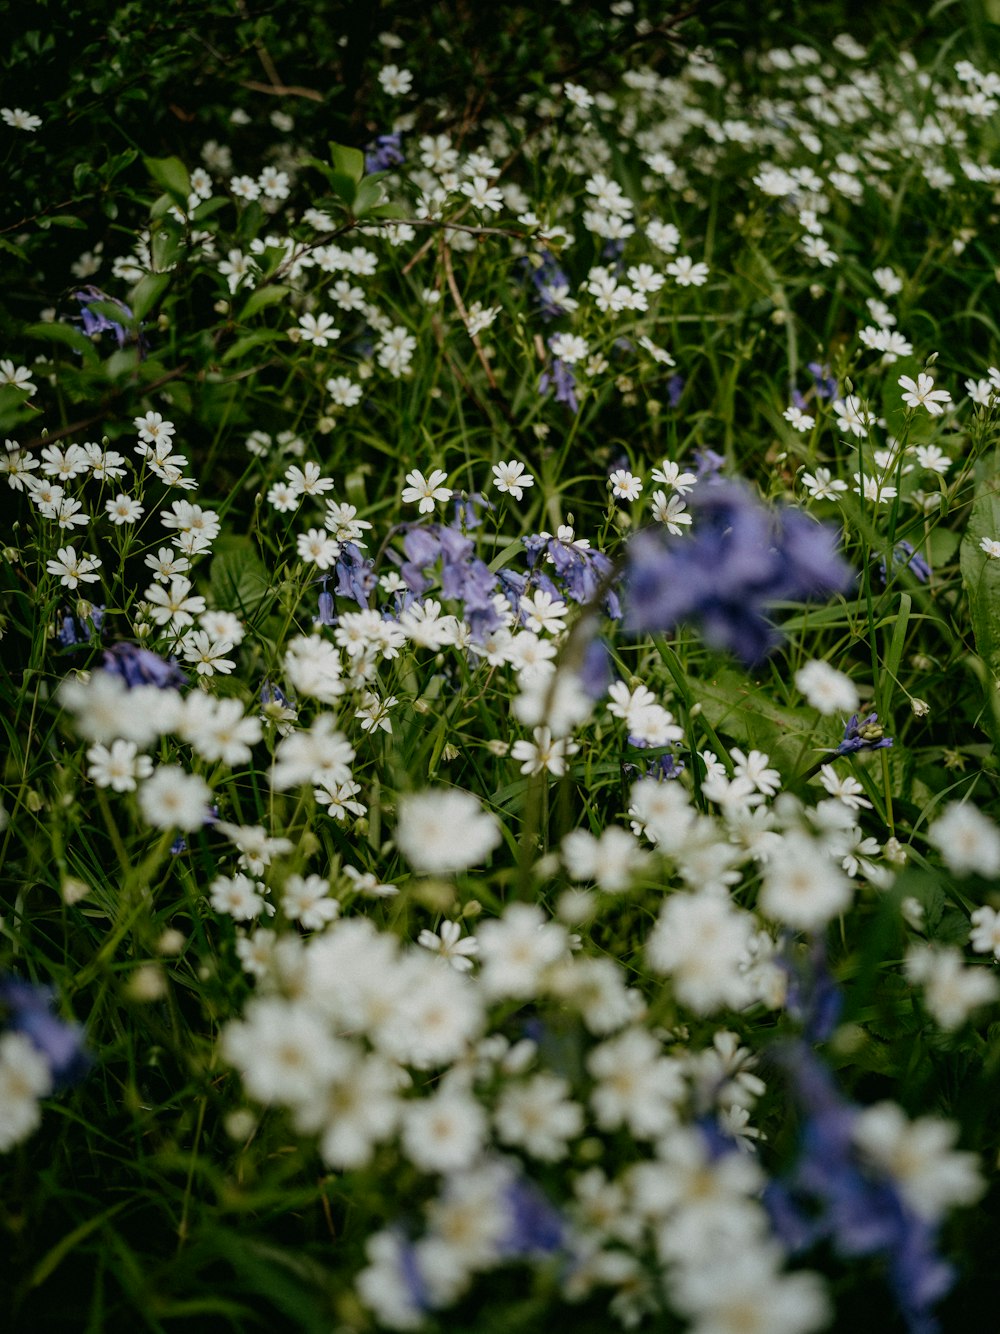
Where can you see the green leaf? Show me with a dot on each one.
(171, 175)
(369, 195)
(50, 1262)
(252, 340)
(11, 249)
(239, 579)
(349, 162)
(981, 577)
(147, 292)
(66, 334)
(263, 296)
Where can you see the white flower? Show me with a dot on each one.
(72, 569)
(624, 485)
(395, 81)
(427, 491)
(119, 766)
(449, 944)
(991, 546)
(701, 941)
(206, 654)
(543, 754)
(18, 119)
(821, 485)
(443, 830)
(686, 273)
(482, 195)
(174, 799)
(845, 788)
(238, 896)
(985, 934)
(671, 511)
(951, 990)
(968, 840)
(918, 1155)
(318, 330)
(444, 1133)
(852, 416)
(802, 886)
(511, 478)
(123, 509)
(539, 1116)
(25, 1077)
(922, 394)
(306, 900)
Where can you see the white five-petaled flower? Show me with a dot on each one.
(543, 754)
(19, 119)
(72, 569)
(511, 478)
(920, 393)
(450, 945)
(426, 490)
(318, 330)
(624, 485)
(991, 546)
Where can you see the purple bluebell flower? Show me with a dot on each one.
(272, 694)
(385, 153)
(829, 1194)
(824, 383)
(139, 666)
(326, 614)
(675, 388)
(868, 734)
(547, 278)
(355, 574)
(536, 1226)
(707, 463)
(29, 1009)
(906, 557)
(741, 559)
(466, 506)
(559, 377)
(100, 321)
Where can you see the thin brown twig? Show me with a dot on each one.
(282, 89)
(456, 296)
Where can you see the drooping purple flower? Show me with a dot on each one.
(829, 1194)
(384, 153)
(824, 383)
(558, 376)
(29, 1009)
(707, 463)
(740, 560)
(536, 1226)
(675, 388)
(101, 321)
(326, 614)
(355, 574)
(906, 557)
(139, 666)
(868, 734)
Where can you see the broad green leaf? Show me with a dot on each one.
(67, 334)
(239, 579)
(263, 296)
(349, 162)
(171, 175)
(147, 292)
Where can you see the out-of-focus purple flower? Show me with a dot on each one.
(558, 376)
(29, 1010)
(675, 388)
(466, 507)
(830, 1194)
(536, 1226)
(139, 666)
(824, 384)
(707, 463)
(906, 557)
(594, 672)
(272, 694)
(868, 734)
(741, 559)
(385, 153)
(813, 997)
(102, 321)
(550, 284)
(74, 630)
